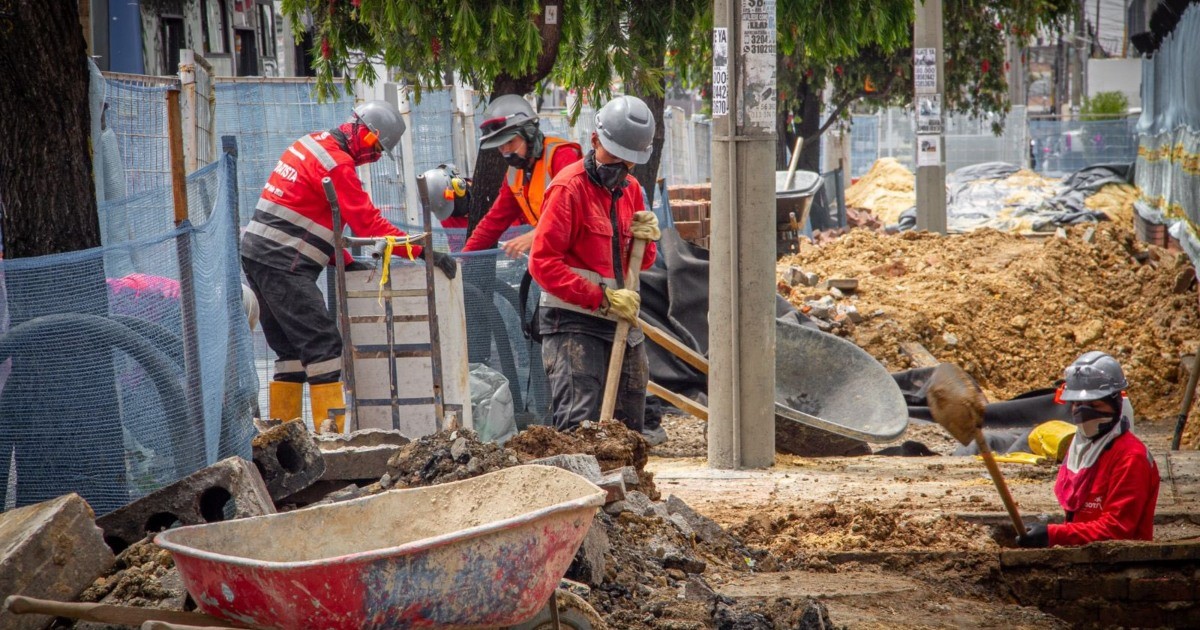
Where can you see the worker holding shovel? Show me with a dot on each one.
(1108, 484)
(592, 216)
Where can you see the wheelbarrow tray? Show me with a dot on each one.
(478, 553)
(827, 383)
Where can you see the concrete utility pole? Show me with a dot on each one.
(1077, 56)
(928, 79)
(741, 294)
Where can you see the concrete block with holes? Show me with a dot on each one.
(52, 550)
(229, 489)
(288, 459)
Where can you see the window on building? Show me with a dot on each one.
(214, 21)
(266, 30)
(172, 41)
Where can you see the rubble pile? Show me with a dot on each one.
(444, 457)
(887, 190)
(1011, 310)
(613, 445)
(144, 576)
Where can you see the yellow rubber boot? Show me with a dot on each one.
(325, 397)
(286, 399)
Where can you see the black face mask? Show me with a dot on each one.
(1081, 414)
(515, 160)
(612, 176)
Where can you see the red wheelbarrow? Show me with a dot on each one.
(479, 553)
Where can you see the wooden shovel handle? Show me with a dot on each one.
(990, 461)
(612, 380)
(107, 613)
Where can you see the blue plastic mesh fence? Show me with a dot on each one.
(266, 118)
(432, 128)
(97, 398)
(137, 112)
(1060, 147)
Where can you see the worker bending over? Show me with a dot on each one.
(1108, 484)
(510, 125)
(593, 211)
(289, 241)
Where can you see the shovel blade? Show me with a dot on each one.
(955, 402)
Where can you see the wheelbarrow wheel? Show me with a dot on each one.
(574, 613)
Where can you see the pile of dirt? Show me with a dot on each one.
(1015, 311)
(611, 442)
(887, 190)
(144, 575)
(846, 526)
(444, 457)
(1115, 200)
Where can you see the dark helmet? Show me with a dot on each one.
(503, 118)
(382, 119)
(1093, 376)
(625, 127)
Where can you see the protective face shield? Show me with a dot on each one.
(503, 118)
(625, 127)
(448, 191)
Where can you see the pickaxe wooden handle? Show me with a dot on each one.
(613, 380)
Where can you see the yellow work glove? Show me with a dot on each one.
(622, 303)
(645, 226)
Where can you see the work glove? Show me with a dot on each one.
(446, 263)
(1035, 537)
(621, 303)
(645, 226)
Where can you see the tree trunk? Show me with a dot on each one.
(809, 129)
(46, 190)
(489, 165)
(647, 174)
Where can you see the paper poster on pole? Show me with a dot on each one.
(758, 64)
(929, 150)
(925, 70)
(929, 114)
(720, 79)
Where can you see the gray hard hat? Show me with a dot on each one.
(625, 126)
(384, 120)
(1093, 376)
(504, 116)
(445, 186)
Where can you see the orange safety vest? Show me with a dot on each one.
(530, 198)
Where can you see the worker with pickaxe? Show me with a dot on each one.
(592, 219)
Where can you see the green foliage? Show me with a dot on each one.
(1104, 106)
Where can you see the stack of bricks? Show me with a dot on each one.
(1154, 234)
(1110, 584)
(690, 208)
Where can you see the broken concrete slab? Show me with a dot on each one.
(362, 438)
(585, 466)
(288, 459)
(705, 528)
(589, 564)
(357, 462)
(614, 487)
(229, 489)
(52, 550)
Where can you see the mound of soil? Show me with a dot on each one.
(612, 443)
(137, 579)
(1014, 311)
(444, 457)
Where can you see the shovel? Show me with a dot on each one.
(956, 403)
(613, 379)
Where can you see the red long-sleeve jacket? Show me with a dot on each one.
(506, 211)
(292, 227)
(1121, 501)
(575, 233)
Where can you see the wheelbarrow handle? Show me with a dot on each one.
(106, 613)
(162, 625)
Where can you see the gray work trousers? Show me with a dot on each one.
(576, 368)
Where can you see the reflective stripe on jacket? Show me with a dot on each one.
(292, 227)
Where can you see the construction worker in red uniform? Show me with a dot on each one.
(1108, 484)
(593, 211)
(510, 125)
(289, 241)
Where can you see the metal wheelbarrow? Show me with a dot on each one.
(479, 553)
(831, 396)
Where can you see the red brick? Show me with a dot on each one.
(687, 210)
(690, 230)
(1125, 615)
(1161, 590)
